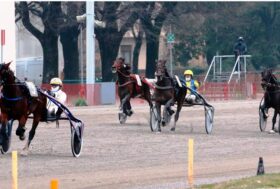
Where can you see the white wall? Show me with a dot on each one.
(7, 22)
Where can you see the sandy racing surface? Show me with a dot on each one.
(130, 156)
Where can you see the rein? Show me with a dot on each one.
(127, 76)
(126, 83)
(270, 84)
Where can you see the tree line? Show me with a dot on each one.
(201, 28)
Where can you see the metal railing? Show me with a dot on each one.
(238, 64)
(217, 60)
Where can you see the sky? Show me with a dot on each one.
(7, 23)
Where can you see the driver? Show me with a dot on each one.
(59, 95)
(191, 83)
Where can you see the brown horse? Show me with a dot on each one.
(17, 104)
(167, 92)
(129, 87)
(271, 98)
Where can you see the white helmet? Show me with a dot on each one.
(240, 38)
(56, 81)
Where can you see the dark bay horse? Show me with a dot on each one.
(17, 104)
(129, 87)
(271, 95)
(166, 93)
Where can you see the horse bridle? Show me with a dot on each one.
(163, 77)
(127, 76)
(268, 84)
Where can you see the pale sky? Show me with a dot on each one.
(7, 23)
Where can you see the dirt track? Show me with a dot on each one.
(130, 156)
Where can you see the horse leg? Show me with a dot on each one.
(21, 127)
(167, 109)
(147, 96)
(179, 107)
(31, 135)
(158, 108)
(274, 121)
(123, 104)
(3, 129)
(264, 109)
(128, 108)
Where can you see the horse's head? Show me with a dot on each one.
(160, 70)
(120, 66)
(6, 74)
(267, 78)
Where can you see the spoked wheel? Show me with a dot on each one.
(77, 139)
(262, 120)
(209, 119)
(154, 120)
(6, 138)
(122, 118)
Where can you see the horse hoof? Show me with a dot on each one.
(158, 131)
(171, 112)
(130, 112)
(172, 129)
(22, 137)
(271, 131)
(24, 153)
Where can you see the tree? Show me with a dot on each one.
(138, 33)
(265, 41)
(119, 18)
(69, 32)
(48, 38)
(57, 19)
(152, 19)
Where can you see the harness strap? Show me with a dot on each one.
(163, 88)
(12, 99)
(126, 83)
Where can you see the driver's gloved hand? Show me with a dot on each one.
(51, 93)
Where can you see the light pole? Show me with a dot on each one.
(170, 43)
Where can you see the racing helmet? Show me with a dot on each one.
(56, 81)
(240, 38)
(188, 72)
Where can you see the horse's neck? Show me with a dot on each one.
(123, 77)
(167, 74)
(11, 88)
(166, 81)
(273, 80)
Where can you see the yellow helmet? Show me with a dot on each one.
(188, 72)
(56, 81)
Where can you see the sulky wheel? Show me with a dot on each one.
(122, 118)
(6, 138)
(209, 119)
(76, 140)
(154, 120)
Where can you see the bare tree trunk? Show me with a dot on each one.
(69, 40)
(136, 50)
(109, 51)
(152, 55)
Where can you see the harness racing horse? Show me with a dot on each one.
(129, 86)
(17, 104)
(166, 93)
(271, 95)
